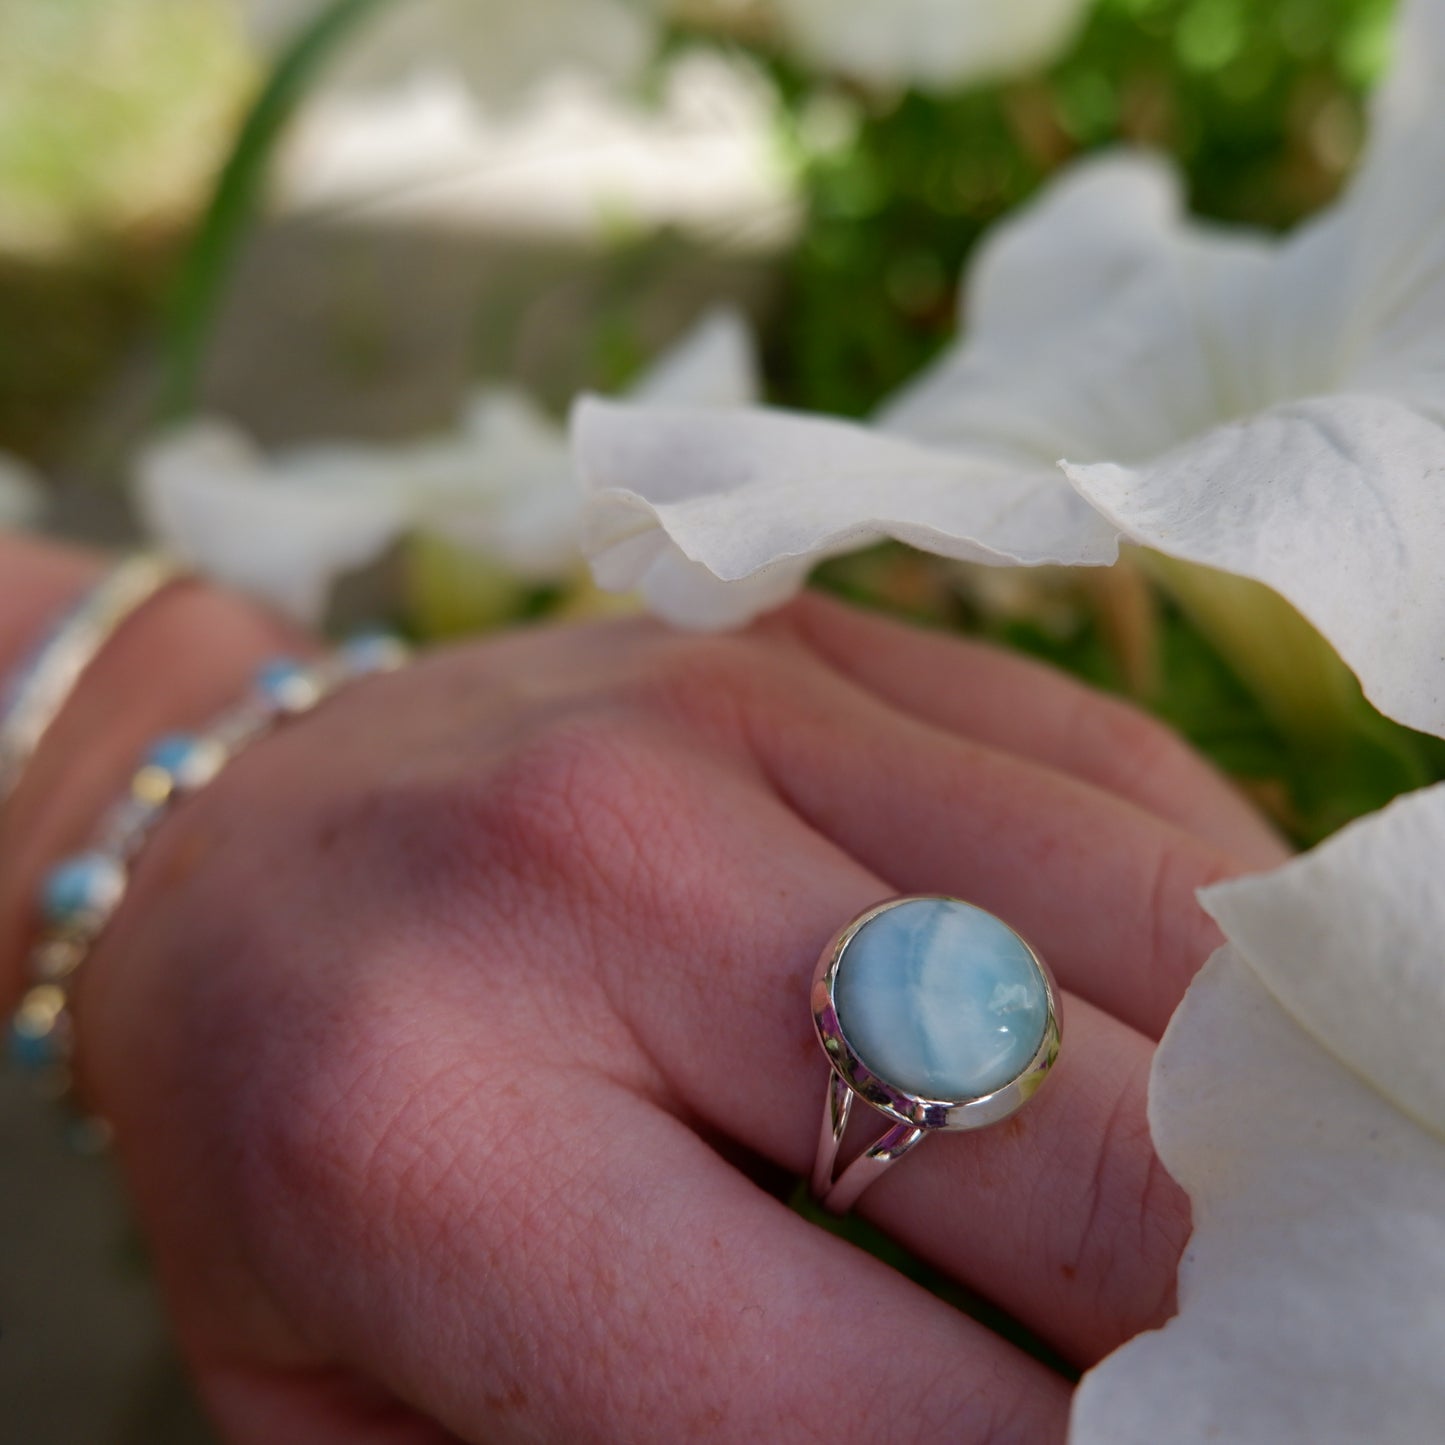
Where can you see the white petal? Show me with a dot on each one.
(1372, 269)
(1409, 94)
(685, 592)
(1348, 939)
(1101, 325)
(1274, 409)
(1312, 1294)
(20, 494)
(1299, 1097)
(933, 44)
(756, 494)
(1073, 249)
(517, 501)
(1338, 504)
(1093, 334)
(207, 495)
(715, 364)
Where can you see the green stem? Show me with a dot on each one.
(211, 258)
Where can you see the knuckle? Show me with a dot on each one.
(583, 819)
(551, 802)
(573, 804)
(715, 685)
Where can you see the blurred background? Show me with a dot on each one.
(335, 223)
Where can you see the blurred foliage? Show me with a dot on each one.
(112, 113)
(240, 189)
(62, 326)
(1261, 104)
(1260, 101)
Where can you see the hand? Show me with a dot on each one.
(443, 1034)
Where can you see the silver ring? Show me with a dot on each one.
(936, 1014)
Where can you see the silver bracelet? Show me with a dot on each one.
(81, 894)
(45, 682)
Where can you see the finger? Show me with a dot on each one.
(258, 1406)
(1062, 1215)
(1104, 889)
(1014, 704)
(705, 904)
(599, 1275)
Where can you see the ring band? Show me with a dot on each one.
(939, 1016)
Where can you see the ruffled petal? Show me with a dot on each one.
(1348, 940)
(1299, 1097)
(1093, 336)
(1338, 503)
(715, 364)
(1102, 324)
(1312, 1294)
(758, 496)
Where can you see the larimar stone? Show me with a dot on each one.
(287, 685)
(941, 999)
(32, 1053)
(40, 1031)
(188, 760)
(369, 652)
(173, 752)
(81, 889)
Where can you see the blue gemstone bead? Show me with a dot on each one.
(369, 652)
(189, 761)
(33, 1053)
(172, 754)
(80, 888)
(941, 999)
(286, 683)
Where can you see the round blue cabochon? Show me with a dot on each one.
(941, 999)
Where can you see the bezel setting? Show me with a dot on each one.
(951, 1115)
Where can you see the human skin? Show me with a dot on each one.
(447, 1036)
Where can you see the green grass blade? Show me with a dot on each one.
(208, 265)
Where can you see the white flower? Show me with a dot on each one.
(931, 44)
(20, 496)
(501, 48)
(1299, 1097)
(285, 528)
(1274, 409)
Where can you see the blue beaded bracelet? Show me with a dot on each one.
(81, 894)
